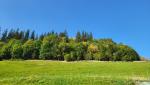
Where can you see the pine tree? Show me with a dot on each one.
(84, 36)
(16, 34)
(41, 37)
(11, 34)
(37, 37)
(64, 35)
(27, 35)
(78, 37)
(21, 35)
(91, 36)
(33, 35)
(4, 36)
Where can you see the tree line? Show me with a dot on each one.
(16, 44)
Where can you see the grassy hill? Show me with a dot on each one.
(72, 73)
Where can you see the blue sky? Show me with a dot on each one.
(126, 21)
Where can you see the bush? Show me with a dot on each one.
(67, 57)
(70, 57)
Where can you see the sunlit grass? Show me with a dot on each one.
(72, 73)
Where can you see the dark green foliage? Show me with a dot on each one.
(78, 37)
(37, 47)
(33, 35)
(27, 35)
(41, 37)
(16, 44)
(15, 34)
(90, 37)
(84, 36)
(4, 36)
(21, 35)
(5, 52)
(63, 36)
(1, 45)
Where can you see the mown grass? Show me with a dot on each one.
(72, 73)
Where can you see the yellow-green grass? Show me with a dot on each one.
(72, 73)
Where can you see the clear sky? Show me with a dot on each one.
(126, 21)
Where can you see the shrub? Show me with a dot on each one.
(70, 57)
(67, 57)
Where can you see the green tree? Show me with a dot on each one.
(37, 47)
(2, 44)
(28, 49)
(90, 37)
(21, 36)
(62, 48)
(81, 50)
(58, 46)
(78, 37)
(126, 53)
(63, 36)
(5, 52)
(27, 35)
(107, 48)
(49, 47)
(17, 51)
(97, 56)
(41, 37)
(33, 35)
(4, 36)
(84, 36)
(91, 50)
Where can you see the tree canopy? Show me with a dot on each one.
(16, 44)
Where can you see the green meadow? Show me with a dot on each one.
(72, 73)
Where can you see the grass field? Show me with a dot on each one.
(72, 73)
